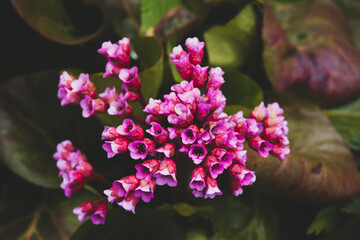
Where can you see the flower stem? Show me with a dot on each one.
(142, 99)
(136, 118)
(130, 15)
(97, 176)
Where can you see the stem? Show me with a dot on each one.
(97, 176)
(130, 15)
(136, 118)
(100, 201)
(92, 190)
(142, 99)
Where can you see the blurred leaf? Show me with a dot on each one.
(351, 10)
(151, 65)
(25, 137)
(233, 44)
(235, 220)
(51, 19)
(232, 109)
(326, 220)
(187, 210)
(145, 224)
(170, 44)
(348, 230)
(152, 11)
(352, 206)
(27, 212)
(307, 49)
(346, 120)
(239, 89)
(319, 168)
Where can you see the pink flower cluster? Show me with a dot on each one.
(96, 211)
(273, 138)
(82, 91)
(189, 125)
(74, 167)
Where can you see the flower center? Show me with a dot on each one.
(198, 151)
(141, 148)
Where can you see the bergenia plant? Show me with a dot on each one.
(189, 124)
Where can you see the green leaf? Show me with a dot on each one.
(187, 210)
(239, 89)
(52, 19)
(234, 219)
(326, 220)
(352, 206)
(25, 135)
(235, 43)
(34, 213)
(319, 164)
(152, 11)
(346, 120)
(170, 44)
(232, 109)
(151, 65)
(145, 224)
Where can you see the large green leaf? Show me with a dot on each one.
(346, 120)
(153, 10)
(319, 168)
(33, 122)
(151, 65)
(52, 19)
(235, 43)
(326, 220)
(145, 224)
(239, 89)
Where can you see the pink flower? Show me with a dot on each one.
(98, 217)
(198, 178)
(225, 157)
(109, 133)
(128, 183)
(260, 112)
(145, 190)
(84, 86)
(63, 150)
(261, 146)
(140, 149)
(280, 151)
(183, 66)
(164, 152)
(120, 108)
(130, 77)
(109, 95)
(242, 174)
(129, 202)
(111, 69)
(190, 135)
(117, 52)
(177, 53)
(127, 94)
(199, 76)
(274, 109)
(146, 169)
(215, 78)
(84, 210)
(195, 48)
(129, 129)
(72, 182)
(212, 188)
(182, 116)
(213, 165)
(197, 153)
(236, 187)
(166, 173)
(159, 133)
(153, 106)
(113, 194)
(92, 106)
(117, 146)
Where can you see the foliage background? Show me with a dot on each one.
(263, 49)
